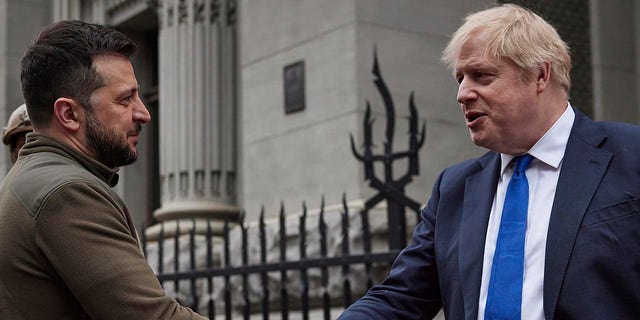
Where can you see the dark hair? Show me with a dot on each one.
(60, 64)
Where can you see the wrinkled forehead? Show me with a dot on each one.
(473, 51)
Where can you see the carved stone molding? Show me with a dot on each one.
(197, 11)
(118, 11)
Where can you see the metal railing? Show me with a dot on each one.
(285, 266)
(341, 264)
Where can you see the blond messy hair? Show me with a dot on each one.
(518, 34)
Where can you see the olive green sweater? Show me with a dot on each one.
(68, 246)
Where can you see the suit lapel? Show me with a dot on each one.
(473, 229)
(583, 167)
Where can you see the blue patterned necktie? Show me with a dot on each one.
(505, 287)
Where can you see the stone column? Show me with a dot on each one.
(197, 58)
(66, 10)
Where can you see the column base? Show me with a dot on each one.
(197, 209)
(179, 218)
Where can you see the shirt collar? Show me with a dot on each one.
(550, 148)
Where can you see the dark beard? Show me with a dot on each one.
(108, 149)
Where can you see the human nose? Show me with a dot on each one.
(141, 113)
(466, 92)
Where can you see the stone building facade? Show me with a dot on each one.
(215, 75)
(212, 74)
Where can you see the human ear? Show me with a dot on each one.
(543, 76)
(67, 113)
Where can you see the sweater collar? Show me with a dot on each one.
(38, 142)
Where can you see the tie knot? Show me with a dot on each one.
(522, 162)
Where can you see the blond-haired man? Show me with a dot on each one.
(546, 225)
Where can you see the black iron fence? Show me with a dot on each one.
(214, 276)
(229, 275)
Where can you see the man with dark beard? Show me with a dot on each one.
(68, 246)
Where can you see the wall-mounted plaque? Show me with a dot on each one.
(294, 87)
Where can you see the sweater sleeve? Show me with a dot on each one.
(83, 233)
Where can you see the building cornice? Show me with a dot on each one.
(119, 11)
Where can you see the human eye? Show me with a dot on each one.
(483, 76)
(459, 77)
(126, 99)
(479, 74)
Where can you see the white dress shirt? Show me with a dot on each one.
(542, 174)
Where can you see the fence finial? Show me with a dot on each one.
(390, 189)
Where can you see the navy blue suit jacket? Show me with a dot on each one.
(592, 263)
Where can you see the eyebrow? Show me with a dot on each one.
(127, 92)
(476, 65)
